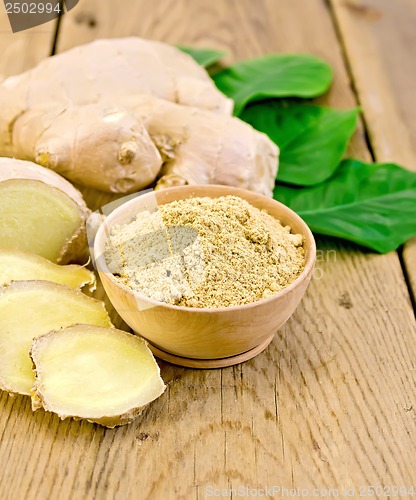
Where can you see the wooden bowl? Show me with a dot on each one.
(204, 337)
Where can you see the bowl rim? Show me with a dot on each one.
(228, 190)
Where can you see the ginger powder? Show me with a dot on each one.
(205, 252)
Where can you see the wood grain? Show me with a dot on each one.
(380, 39)
(331, 402)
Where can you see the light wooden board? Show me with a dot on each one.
(380, 39)
(329, 404)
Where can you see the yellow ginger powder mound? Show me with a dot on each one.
(205, 252)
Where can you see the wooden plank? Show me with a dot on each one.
(329, 404)
(380, 40)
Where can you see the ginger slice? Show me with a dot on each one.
(37, 217)
(41, 212)
(17, 265)
(103, 375)
(29, 309)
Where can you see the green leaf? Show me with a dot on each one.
(274, 75)
(371, 204)
(312, 139)
(204, 57)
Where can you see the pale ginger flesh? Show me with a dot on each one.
(29, 309)
(37, 217)
(100, 374)
(17, 266)
(41, 212)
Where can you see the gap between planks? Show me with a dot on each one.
(330, 402)
(247, 438)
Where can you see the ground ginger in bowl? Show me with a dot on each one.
(205, 252)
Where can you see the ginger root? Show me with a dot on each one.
(16, 266)
(117, 114)
(99, 374)
(29, 309)
(41, 212)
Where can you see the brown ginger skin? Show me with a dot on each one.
(117, 114)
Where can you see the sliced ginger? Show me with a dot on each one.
(100, 374)
(29, 309)
(41, 212)
(16, 265)
(36, 217)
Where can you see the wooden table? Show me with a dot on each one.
(332, 402)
